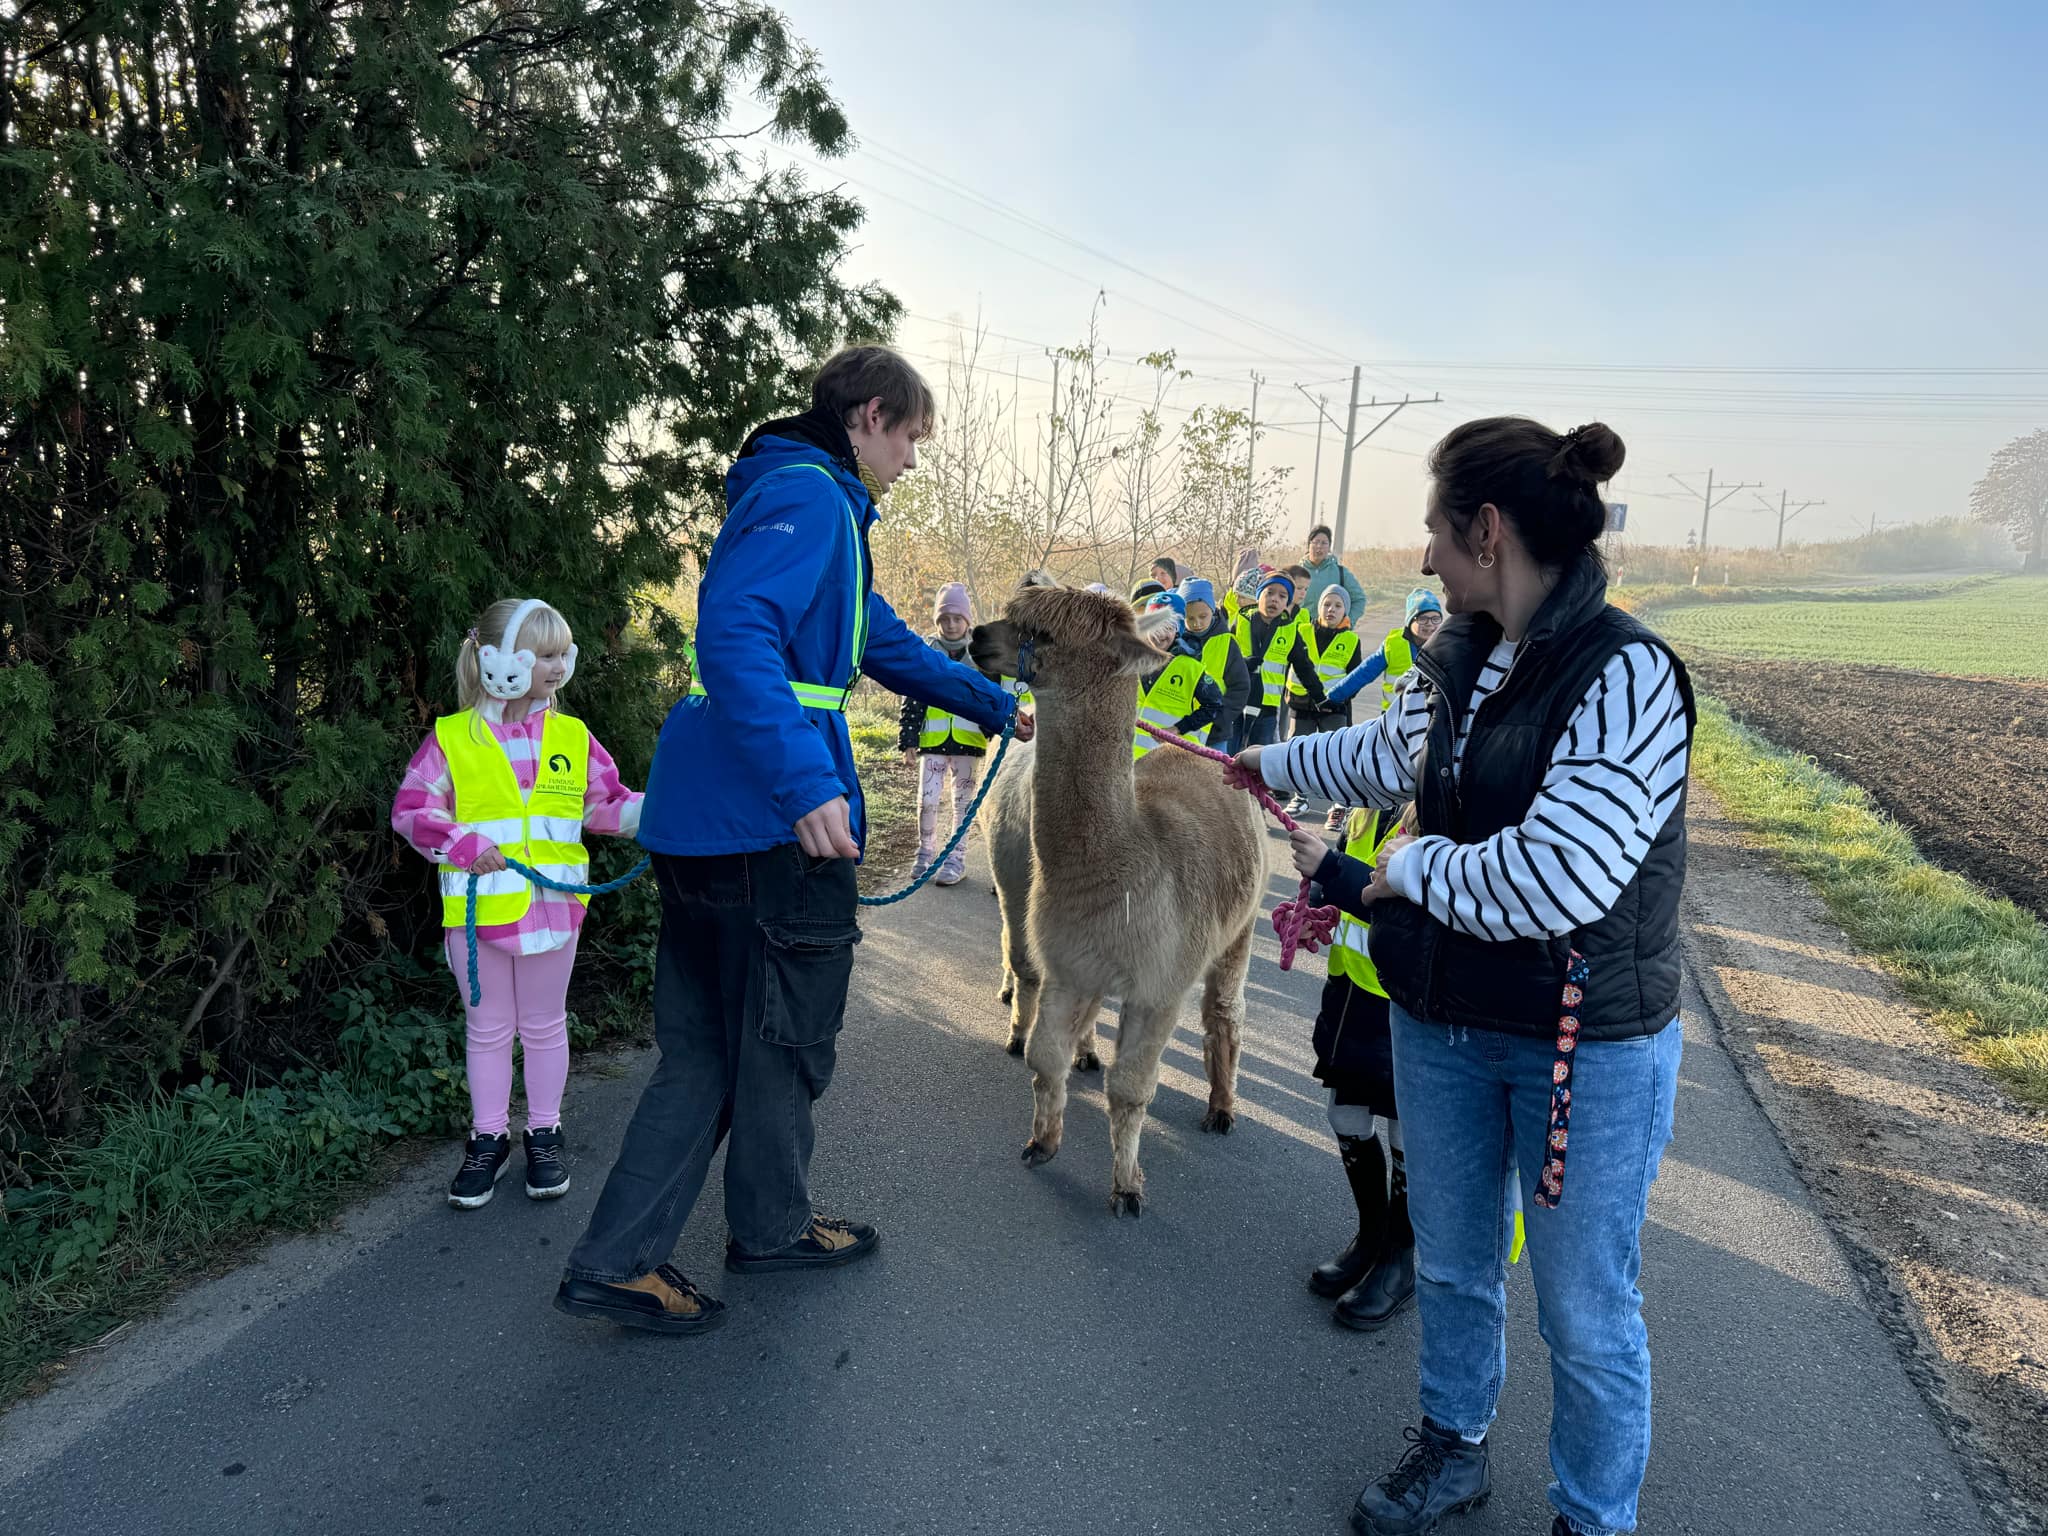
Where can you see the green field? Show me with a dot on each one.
(1999, 629)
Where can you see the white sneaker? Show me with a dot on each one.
(950, 875)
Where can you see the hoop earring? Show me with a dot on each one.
(1486, 562)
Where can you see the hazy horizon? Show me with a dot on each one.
(1791, 250)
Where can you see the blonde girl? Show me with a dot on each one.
(511, 775)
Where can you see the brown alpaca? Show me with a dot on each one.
(1145, 879)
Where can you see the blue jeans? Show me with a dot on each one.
(1475, 1103)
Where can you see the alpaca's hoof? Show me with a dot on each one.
(1126, 1202)
(1219, 1120)
(1087, 1061)
(1016, 1045)
(1007, 996)
(1037, 1155)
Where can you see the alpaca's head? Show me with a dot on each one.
(1077, 639)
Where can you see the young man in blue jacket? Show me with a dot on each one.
(755, 820)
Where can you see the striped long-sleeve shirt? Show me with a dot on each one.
(424, 815)
(1611, 784)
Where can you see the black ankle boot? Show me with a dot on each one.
(1365, 1165)
(1390, 1285)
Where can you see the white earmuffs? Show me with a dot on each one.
(507, 672)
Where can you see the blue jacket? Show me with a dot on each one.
(737, 766)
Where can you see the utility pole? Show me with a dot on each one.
(1251, 449)
(1353, 442)
(1315, 484)
(1785, 517)
(1710, 501)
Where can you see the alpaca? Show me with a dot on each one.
(1006, 822)
(1146, 877)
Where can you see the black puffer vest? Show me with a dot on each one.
(1444, 977)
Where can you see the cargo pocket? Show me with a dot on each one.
(807, 963)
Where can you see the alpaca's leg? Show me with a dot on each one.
(1026, 1004)
(1050, 1050)
(1223, 1029)
(1020, 976)
(1085, 1057)
(1131, 1081)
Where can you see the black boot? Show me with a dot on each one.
(1390, 1286)
(1441, 1475)
(1365, 1165)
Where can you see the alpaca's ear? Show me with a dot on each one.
(1146, 650)
(1157, 622)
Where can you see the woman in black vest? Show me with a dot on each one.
(1528, 939)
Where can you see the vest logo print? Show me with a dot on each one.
(559, 763)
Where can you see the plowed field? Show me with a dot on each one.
(1961, 762)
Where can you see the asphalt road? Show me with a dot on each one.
(1014, 1359)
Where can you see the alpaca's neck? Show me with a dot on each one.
(1083, 772)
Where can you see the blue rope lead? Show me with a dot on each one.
(476, 991)
(959, 832)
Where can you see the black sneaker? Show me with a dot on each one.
(662, 1301)
(547, 1175)
(483, 1164)
(1441, 1475)
(829, 1242)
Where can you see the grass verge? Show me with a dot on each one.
(155, 1192)
(1978, 963)
(889, 788)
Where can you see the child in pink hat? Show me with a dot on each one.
(949, 746)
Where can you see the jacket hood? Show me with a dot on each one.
(818, 427)
(769, 450)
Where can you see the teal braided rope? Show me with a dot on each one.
(960, 832)
(476, 991)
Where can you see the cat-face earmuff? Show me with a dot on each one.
(507, 672)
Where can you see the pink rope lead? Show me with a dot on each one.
(1298, 925)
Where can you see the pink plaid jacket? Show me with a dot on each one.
(424, 815)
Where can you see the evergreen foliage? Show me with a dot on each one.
(321, 327)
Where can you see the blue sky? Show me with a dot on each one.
(1498, 191)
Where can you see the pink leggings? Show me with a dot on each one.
(526, 996)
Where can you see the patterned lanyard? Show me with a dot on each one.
(1550, 1187)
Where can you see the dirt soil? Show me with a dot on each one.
(1960, 762)
(1935, 1181)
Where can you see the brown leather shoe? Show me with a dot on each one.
(664, 1301)
(829, 1242)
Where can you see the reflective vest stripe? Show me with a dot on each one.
(541, 827)
(941, 727)
(1332, 661)
(824, 695)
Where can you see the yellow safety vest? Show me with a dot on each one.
(1217, 645)
(825, 695)
(1400, 653)
(1273, 665)
(1331, 663)
(1169, 700)
(1364, 836)
(940, 728)
(542, 828)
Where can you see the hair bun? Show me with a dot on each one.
(1590, 454)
